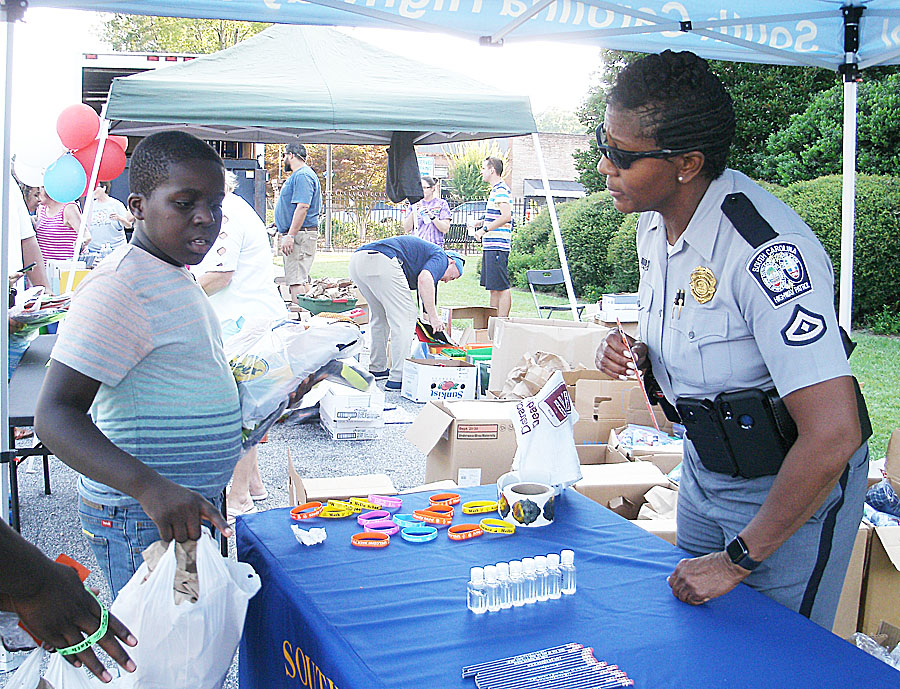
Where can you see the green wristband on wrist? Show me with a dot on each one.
(93, 638)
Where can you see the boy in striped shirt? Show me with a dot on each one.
(495, 234)
(141, 349)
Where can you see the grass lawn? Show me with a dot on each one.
(876, 361)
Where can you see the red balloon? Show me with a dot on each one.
(121, 140)
(112, 162)
(77, 126)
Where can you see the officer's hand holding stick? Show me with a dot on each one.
(613, 357)
(640, 377)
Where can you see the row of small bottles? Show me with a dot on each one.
(521, 582)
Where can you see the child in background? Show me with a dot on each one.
(141, 349)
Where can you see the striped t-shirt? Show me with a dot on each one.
(147, 332)
(56, 239)
(498, 239)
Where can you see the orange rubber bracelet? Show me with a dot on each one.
(445, 510)
(430, 517)
(307, 510)
(370, 539)
(444, 499)
(463, 532)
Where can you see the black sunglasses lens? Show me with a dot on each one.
(620, 159)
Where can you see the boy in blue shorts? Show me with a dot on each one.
(141, 349)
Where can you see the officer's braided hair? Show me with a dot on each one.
(681, 103)
(153, 156)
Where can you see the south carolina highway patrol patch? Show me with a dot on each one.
(780, 272)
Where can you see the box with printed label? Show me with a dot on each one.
(426, 380)
(470, 442)
(345, 403)
(351, 428)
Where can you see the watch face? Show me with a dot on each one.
(736, 550)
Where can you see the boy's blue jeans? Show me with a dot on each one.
(118, 536)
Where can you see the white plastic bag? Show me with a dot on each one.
(191, 645)
(546, 443)
(60, 674)
(270, 358)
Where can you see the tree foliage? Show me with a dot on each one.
(465, 168)
(811, 144)
(175, 35)
(558, 121)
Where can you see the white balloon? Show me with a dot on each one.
(40, 151)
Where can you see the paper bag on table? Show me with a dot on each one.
(532, 372)
(546, 444)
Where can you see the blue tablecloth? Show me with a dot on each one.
(395, 618)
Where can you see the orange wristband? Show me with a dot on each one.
(307, 510)
(445, 510)
(463, 532)
(370, 539)
(444, 499)
(430, 517)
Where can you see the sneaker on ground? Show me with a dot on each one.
(380, 374)
(392, 385)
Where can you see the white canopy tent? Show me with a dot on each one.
(844, 35)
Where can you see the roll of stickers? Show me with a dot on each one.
(525, 503)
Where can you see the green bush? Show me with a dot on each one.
(876, 272)
(587, 226)
(887, 322)
(622, 257)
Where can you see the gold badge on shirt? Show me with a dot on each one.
(703, 284)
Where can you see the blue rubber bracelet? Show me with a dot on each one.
(404, 520)
(419, 534)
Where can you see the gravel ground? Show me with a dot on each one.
(51, 521)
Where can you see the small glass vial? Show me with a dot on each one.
(554, 582)
(476, 595)
(505, 587)
(567, 572)
(492, 587)
(540, 575)
(530, 587)
(517, 583)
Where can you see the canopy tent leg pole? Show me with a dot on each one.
(548, 193)
(328, 194)
(848, 206)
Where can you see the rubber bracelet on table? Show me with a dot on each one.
(382, 526)
(343, 505)
(444, 499)
(370, 539)
(365, 504)
(492, 525)
(446, 510)
(418, 534)
(387, 501)
(372, 515)
(331, 512)
(463, 532)
(406, 519)
(479, 506)
(307, 510)
(433, 517)
(93, 638)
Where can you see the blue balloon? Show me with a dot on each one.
(65, 179)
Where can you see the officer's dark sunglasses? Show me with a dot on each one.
(623, 159)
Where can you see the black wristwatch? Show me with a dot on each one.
(737, 551)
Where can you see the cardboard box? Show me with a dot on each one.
(474, 336)
(847, 618)
(601, 403)
(337, 488)
(604, 483)
(346, 404)
(472, 443)
(426, 380)
(514, 337)
(881, 589)
(352, 429)
(664, 528)
(663, 458)
(434, 487)
(479, 315)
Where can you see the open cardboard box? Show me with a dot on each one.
(881, 590)
(337, 488)
(622, 485)
(470, 442)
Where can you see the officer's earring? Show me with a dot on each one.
(680, 178)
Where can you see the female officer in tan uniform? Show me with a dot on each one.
(736, 294)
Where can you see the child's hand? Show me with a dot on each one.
(177, 511)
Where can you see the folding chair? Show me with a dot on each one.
(544, 278)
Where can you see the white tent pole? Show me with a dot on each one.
(88, 200)
(328, 193)
(548, 193)
(848, 205)
(4, 270)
